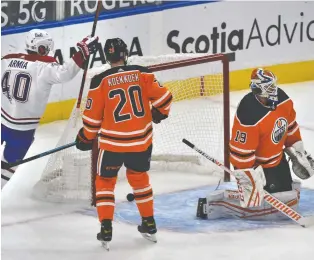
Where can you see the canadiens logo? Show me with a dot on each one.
(280, 128)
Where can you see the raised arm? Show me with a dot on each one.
(54, 73)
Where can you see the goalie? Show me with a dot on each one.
(264, 128)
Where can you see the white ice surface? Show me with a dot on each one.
(35, 230)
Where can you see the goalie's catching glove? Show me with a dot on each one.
(82, 143)
(157, 116)
(302, 162)
(88, 46)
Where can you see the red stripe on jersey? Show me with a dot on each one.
(30, 57)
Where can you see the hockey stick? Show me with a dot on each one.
(6, 166)
(79, 99)
(271, 200)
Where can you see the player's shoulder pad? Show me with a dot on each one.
(250, 111)
(139, 68)
(97, 79)
(30, 57)
(282, 96)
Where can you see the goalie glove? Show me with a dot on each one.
(302, 162)
(157, 116)
(82, 143)
(251, 184)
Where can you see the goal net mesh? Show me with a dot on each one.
(196, 114)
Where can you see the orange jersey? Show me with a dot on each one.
(259, 134)
(119, 108)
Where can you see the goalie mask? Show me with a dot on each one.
(39, 41)
(116, 50)
(264, 84)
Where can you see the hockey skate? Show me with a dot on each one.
(105, 234)
(148, 229)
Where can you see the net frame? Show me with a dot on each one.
(226, 107)
(59, 184)
(226, 97)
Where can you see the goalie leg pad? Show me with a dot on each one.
(251, 184)
(227, 205)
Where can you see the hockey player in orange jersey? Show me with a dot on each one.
(264, 128)
(122, 103)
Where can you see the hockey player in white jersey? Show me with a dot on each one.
(26, 81)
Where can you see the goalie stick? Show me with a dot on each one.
(270, 199)
(6, 166)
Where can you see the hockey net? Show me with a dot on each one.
(200, 113)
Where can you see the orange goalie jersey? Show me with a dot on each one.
(119, 108)
(259, 134)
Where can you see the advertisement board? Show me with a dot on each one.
(278, 35)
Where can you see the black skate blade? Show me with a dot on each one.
(150, 237)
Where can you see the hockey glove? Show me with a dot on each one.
(82, 143)
(88, 46)
(302, 162)
(157, 116)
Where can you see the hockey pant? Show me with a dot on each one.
(226, 204)
(108, 166)
(16, 146)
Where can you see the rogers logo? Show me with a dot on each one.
(219, 41)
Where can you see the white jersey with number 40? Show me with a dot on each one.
(26, 81)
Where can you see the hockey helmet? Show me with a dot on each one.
(39, 41)
(264, 84)
(115, 50)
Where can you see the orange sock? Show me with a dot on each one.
(105, 201)
(142, 191)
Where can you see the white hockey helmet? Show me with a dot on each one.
(39, 41)
(264, 84)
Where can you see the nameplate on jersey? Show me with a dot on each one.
(19, 64)
(128, 78)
